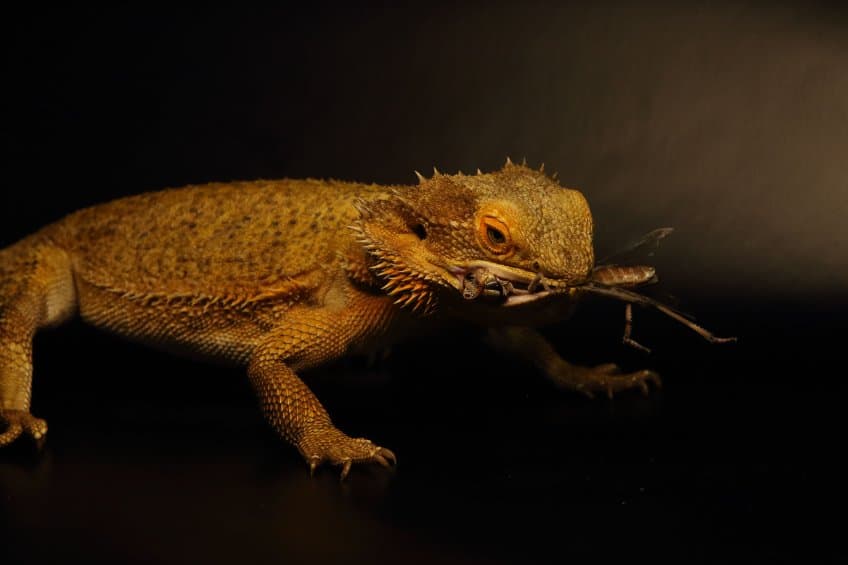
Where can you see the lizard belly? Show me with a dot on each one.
(197, 327)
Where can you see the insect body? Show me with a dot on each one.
(624, 276)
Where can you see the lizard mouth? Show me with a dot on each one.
(510, 286)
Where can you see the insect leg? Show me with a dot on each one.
(628, 327)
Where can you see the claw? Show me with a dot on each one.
(586, 392)
(346, 469)
(40, 437)
(655, 378)
(388, 454)
(313, 464)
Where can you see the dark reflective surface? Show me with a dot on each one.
(726, 121)
(156, 459)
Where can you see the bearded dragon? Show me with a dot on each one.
(282, 276)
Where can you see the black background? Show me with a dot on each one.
(728, 121)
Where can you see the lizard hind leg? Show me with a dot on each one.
(36, 290)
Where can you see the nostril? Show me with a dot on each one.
(536, 266)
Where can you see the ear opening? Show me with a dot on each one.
(391, 232)
(420, 230)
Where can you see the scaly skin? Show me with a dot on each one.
(281, 276)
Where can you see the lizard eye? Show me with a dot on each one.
(495, 235)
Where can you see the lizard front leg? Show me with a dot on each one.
(288, 404)
(297, 415)
(36, 290)
(529, 344)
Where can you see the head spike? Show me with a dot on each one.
(542, 168)
(421, 178)
(479, 172)
(524, 161)
(436, 171)
(554, 176)
(508, 162)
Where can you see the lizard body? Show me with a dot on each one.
(281, 276)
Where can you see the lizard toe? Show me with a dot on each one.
(20, 422)
(625, 381)
(334, 447)
(610, 380)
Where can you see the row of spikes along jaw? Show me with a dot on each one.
(410, 287)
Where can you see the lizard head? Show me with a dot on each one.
(517, 226)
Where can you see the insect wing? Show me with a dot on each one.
(643, 247)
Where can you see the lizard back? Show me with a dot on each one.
(241, 239)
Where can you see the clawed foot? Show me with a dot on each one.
(606, 378)
(332, 446)
(17, 422)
